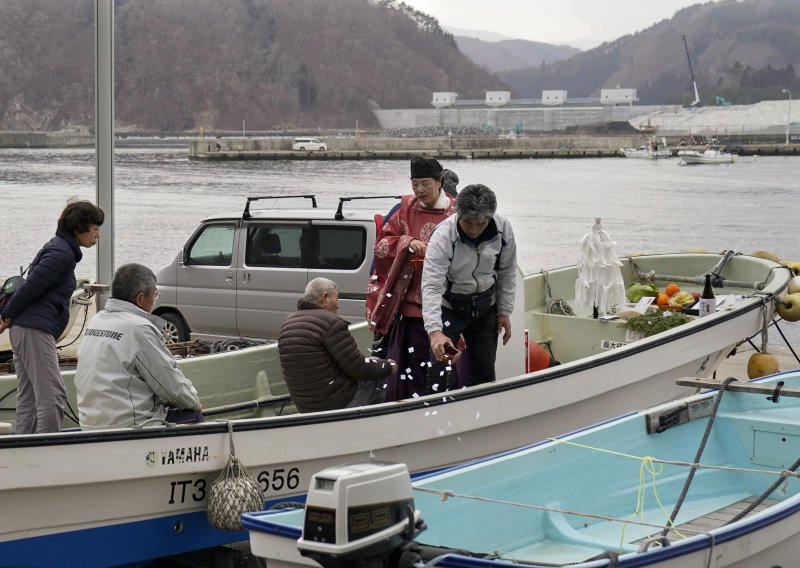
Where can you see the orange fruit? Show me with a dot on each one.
(672, 289)
(662, 299)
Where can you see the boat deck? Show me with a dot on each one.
(719, 518)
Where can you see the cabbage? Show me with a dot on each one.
(636, 291)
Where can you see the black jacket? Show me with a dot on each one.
(321, 361)
(42, 301)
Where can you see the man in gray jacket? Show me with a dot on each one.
(126, 376)
(468, 286)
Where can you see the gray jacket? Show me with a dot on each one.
(471, 270)
(125, 373)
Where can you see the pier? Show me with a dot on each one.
(467, 148)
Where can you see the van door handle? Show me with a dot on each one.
(245, 277)
(229, 276)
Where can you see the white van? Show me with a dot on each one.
(241, 274)
(309, 144)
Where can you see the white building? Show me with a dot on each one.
(618, 96)
(554, 98)
(498, 98)
(444, 99)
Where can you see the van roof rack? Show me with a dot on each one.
(246, 213)
(339, 215)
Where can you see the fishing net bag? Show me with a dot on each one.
(233, 492)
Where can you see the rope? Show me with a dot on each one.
(765, 324)
(447, 494)
(676, 462)
(784, 474)
(700, 450)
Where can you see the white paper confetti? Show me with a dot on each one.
(388, 295)
(384, 385)
(415, 395)
(447, 324)
(478, 415)
(441, 373)
(427, 413)
(402, 377)
(435, 386)
(408, 370)
(422, 364)
(410, 349)
(458, 438)
(434, 413)
(448, 368)
(430, 364)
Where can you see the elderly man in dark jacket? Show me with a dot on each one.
(322, 365)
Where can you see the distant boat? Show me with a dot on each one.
(707, 481)
(649, 151)
(713, 154)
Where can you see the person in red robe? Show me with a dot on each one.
(394, 296)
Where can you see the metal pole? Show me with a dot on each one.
(789, 114)
(104, 137)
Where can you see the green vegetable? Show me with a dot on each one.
(636, 291)
(655, 321)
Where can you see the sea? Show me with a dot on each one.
(646, 206)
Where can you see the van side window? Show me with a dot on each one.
(338, 247)
(274, 245)
(213, 246)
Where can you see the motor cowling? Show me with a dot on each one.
(359, 513)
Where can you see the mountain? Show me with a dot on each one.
(479, 34)
(512, 53)
(741, 50)
(186, 64)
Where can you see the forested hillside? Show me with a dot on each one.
(186, 64)
(512, 53)
(741, 50)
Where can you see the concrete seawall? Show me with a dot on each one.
(403, 148)
(45, 139)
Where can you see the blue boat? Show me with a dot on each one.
(710, 480)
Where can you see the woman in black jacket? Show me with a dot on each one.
(38, 312)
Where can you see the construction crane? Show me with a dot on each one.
(691, 72)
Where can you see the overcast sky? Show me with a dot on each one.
(580, 23)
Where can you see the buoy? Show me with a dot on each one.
(766, 254)
(794, 285)
(762, 364)
(789, 307)
(794, 267)
(538, 358)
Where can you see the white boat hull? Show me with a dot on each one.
(140, 494)
(707, 157)
(768, 538)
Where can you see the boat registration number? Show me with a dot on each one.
(271, 481)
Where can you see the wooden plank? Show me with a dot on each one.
(739, 386)
(718, 518)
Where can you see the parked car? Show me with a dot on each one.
(311, 144)
(241, 274)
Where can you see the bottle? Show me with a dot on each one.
(707, 304)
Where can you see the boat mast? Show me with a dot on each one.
(104, 137)
(691, 72)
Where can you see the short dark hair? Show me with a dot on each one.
(78, 217)
(130, 279)
(476, 201)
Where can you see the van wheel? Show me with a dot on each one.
(175, 329)
(323, 149)
(302, 148)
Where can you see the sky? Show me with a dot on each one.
(580, 23)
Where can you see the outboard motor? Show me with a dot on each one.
(361, 514)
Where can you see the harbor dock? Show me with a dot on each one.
(486, 148)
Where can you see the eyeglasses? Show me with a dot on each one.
(156, 295)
